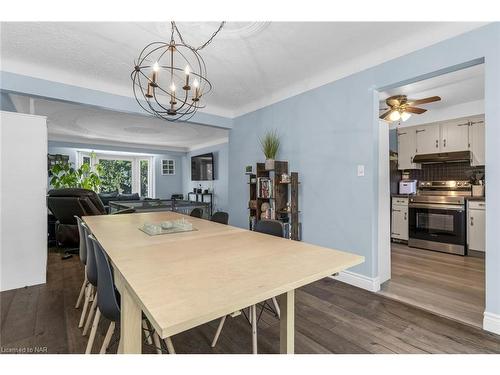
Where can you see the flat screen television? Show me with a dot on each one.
(202, 167)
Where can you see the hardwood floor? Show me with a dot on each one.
(445, 284)
(331, 317)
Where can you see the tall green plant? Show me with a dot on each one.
(64, 175)
(270, 144)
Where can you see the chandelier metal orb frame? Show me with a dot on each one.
(170, 79)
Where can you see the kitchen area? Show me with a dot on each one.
(438, 205)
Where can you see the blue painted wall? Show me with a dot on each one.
(328, 131)
(220, 184)
(165, 186)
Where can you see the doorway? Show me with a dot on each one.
(424, 273)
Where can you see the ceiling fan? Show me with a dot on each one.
(400, 108)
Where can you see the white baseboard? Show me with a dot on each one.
(491, 322)
(361, 281)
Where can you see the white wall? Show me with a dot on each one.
(23, 218)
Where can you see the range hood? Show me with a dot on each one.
(443, 157)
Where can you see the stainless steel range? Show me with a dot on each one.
(437, 216)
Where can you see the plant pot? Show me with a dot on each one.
(269, 164)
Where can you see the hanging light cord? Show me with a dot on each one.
(174, 27)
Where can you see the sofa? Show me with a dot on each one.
(115, 196)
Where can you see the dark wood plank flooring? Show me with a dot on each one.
(331, 317)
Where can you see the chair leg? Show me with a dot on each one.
(170, 345)
(107, 338)
(81, 294)
(156, 340)
(254, 329)
(91, 315)
(276, 307)
(219, 330)
(85, 305)
(146, 332)
(88, 350)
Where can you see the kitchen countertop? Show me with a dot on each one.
(480, 199)
(402, 195)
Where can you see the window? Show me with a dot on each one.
(122, 173)
(167, 167)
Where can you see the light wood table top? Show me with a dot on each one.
(186, 279)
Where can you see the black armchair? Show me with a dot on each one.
(65, 204)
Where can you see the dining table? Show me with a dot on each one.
(183, 280)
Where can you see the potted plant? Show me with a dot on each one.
(270, 145)
(65, 176)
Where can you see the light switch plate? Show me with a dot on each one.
(361, 170)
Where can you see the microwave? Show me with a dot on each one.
(408, 187)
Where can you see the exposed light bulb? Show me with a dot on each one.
(196, 84)
(394, 116)
(156, 66)
(405, 116)
(172, 87)
(187, 70)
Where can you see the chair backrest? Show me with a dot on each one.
(197, 212)
(272, 227)
(65, 204)
(220, 217)
(91, 268)
(83, 240)
(107, 300)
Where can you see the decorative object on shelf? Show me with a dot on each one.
(253, 180)
(170, 78)
(270, 145)
(285, 178)
(248, 169)
(264, 187)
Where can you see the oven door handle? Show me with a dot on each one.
(451, 207)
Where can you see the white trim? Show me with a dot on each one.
(491, 322)
(371, 284)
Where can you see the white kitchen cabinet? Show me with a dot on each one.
(476, 141)
(476, 227)
(399, 218)
(406, 148)
(427, 139)
(454, 136)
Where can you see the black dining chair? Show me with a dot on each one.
(273, 228)
(197, 212)
(108, 303)
(83, 259)
(92, 277)
(220, 217)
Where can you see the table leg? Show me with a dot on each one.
(287, 322)
(130, 325)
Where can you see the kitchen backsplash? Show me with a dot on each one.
(444, 171)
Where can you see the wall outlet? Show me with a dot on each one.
(361, 170)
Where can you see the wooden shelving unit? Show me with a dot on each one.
(283, 199)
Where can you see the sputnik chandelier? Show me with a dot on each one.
(170, 79)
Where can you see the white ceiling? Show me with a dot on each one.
(461, 91)
(250, 64)
(84, 124)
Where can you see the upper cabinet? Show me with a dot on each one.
(454, 136)
(465, 134)
(476, 140)
(406, 148)
(427, 139)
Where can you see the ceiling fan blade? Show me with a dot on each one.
(385, 116)
(425, 100)
(416, 110)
